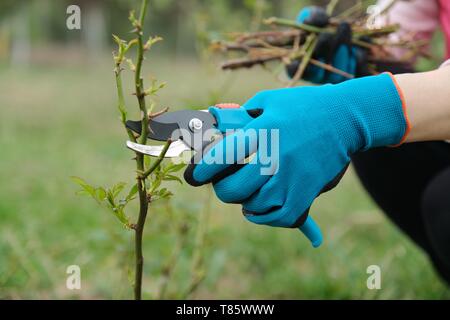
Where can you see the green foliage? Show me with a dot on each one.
(154, 88)
(133, 20)
(109, 198)
(123, 46)
(151, 41)
(163, 173)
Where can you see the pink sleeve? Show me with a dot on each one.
(418, 19)
(445, 64)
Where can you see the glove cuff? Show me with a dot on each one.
(375, 109)
(405, 113)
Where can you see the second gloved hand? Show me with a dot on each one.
(318, 128)
(334, 49)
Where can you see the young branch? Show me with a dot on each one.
(310, 46)
(296, 25)
(142, 189)
(158, 161)
(247, 63)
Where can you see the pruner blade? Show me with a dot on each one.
(176, 148)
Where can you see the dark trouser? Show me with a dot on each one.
(411, 184)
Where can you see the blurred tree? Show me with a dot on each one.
(93, 31)
(180, 23)
(8, 6)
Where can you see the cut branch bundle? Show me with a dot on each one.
(290, 41)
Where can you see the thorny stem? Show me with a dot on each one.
(139, 226)
(144, 197)
(142, 189)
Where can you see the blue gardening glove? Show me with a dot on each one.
(335, 49)
(319, 128)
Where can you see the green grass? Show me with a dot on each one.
(58, 121)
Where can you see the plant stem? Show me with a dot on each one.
(350, 11)
(247, 63)
(144, 201)
(330, 68)
(139, 229)
(296, 25)
(309, 47)
(363, 44)
(376, 32)
(157, 162)
(331, 6)
(313, 29)
(142, 189)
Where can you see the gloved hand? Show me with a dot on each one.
(319, 128)
(335, 49)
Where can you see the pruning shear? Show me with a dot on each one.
(185, 129)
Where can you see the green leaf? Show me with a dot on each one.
(101, 194)
(82, 193)
(117, 40)
(83, 184)
(170, 177)
(117, 188)
(164, 193)
(106, 197)
(121, 216)
(132, 193)
(131, 65)
(78, 180)
(132, 18)
(155, 185)
(151, 41)
(174, 167)
(110, 199)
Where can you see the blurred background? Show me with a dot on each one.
(59, 118)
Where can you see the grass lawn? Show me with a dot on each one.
(59, 121)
